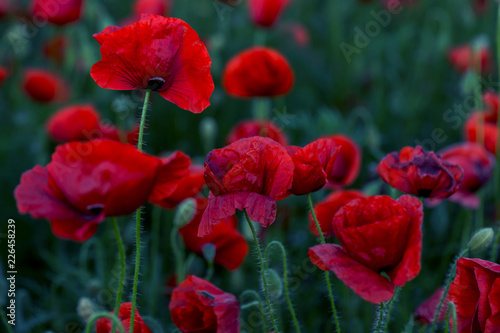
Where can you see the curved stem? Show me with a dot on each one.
(99, 315)
(261, 306)
(263, 274)
(121, 251)
(138, 218)
(285, 279)
(327, 274)
(451, 275)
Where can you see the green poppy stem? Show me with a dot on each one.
(263, 275)
(285, 280)
(138, 218)
(327, 273)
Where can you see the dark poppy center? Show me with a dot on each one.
(95, 209)
(155, 83)
(423, 192)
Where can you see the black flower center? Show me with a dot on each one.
(155, 83)
(95, 209)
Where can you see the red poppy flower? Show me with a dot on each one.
(163, 54)
(231, 247)
(44, 86)
(464, 57)
(157, 7)
(248, 174)
(489, 130)
(377, 234)
(476, 295)
(491, 102)
(104, 325)
(180, 183)
(82, 123)
(4, 7)
(87, 181)
(424, 174)
(298, 32)
(426, 311)
(266, 12)
(258, 72)
(313, 165)
(3, 74)
(73, 123)
(346, 168)
(326, 210)
(249, 128)
(55, 49)
(199, 306)
(57, 12)
(478, 165)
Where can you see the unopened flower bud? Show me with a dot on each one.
(274, 284)
(85, 308)
(185, 212)
(209, 252)
(481, 239)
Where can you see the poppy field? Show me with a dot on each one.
(226, 166)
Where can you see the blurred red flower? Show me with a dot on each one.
(82, 123)
(248, 174)
(162, 54)
(55, 49)
(104, 325)
(85, 182)
(44, 86)
(264, 128)
(313, 165)
(326, 210)
(266, 12)
(476, 295)
(424, 174)
(464, 57)
(489, 120)
(57, 12)
(478, 165)
(3, 74)
(346, 168)
(199, 306)
(426, 311)
(157, 7)
(377, 234)
(298, 32)
(231, 247)
(258, 72)
(181, 182)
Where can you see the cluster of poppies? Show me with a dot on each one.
(97, 173)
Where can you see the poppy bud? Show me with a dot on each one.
(209, 252)
(185, 212)
(481, 239)
(274, 284)
(85, 308)
(208, 131)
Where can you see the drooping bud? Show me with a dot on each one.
(209, 251)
